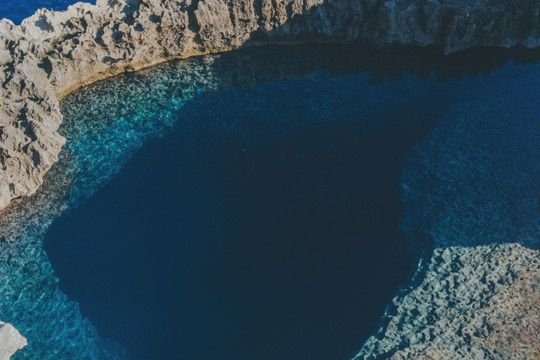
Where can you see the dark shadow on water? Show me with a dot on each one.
(265, 225)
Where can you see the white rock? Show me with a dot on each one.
(10, 341)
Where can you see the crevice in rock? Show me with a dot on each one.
(47, 66)
(193, 23)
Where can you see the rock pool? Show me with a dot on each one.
(239, 207)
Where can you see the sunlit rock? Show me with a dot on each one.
(10, 341)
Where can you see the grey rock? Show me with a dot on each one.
(10, 341)
(473, 303)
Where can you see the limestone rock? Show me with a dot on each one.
(473, 303)
(10, 341)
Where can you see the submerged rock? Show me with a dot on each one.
(10, 341)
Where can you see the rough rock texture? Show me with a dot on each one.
(53, 53)
(10, 341)
(473, 303)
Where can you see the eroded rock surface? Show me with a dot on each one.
(53, 53)
(473, 303)
(10, 341)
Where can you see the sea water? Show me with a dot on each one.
(247, 205)
(264, 220)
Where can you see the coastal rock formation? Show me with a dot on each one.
(473, 303)
(53, 53)
(10, 341)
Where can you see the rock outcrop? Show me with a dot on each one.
(473, 303)
(53, 53)
(10, 341)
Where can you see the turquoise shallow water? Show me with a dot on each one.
(299, 117)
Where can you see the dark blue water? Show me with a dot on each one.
(210, 245)
(17, 10)
(265, 223)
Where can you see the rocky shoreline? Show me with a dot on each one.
(54, 53)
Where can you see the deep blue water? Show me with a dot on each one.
(264, 221)
(250, 208)
(17, 10)
(214, 245)
(264, 225)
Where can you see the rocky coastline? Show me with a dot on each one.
(54, 53)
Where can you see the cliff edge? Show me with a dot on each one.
(53, 53)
